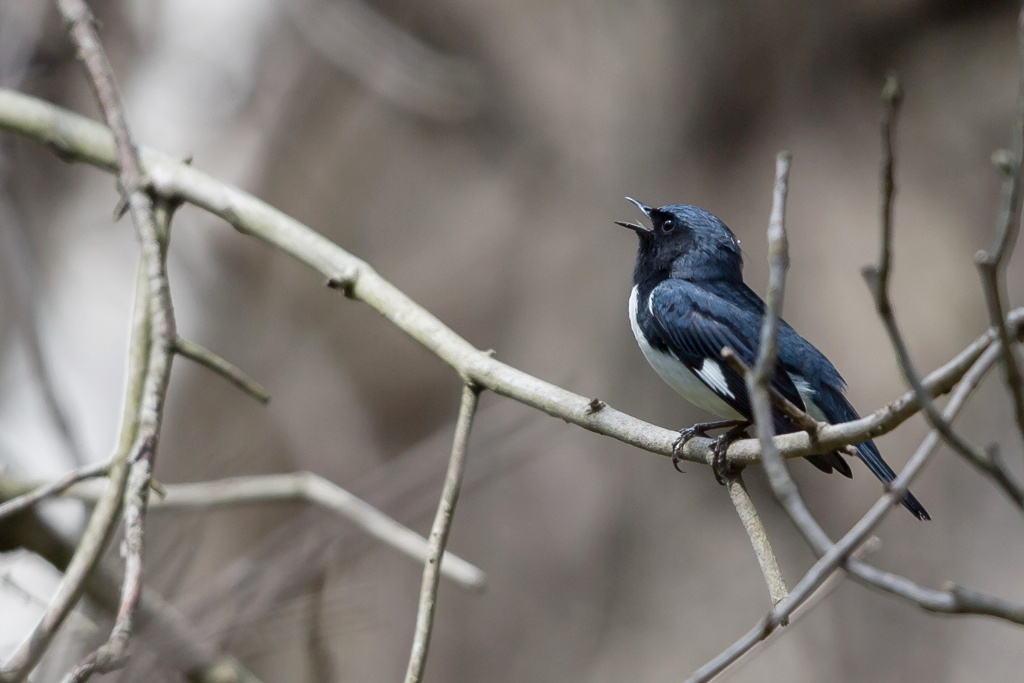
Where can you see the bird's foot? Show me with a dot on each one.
(719, 464)
(699, 429)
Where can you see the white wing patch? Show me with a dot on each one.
(803, 387)
(711, 373)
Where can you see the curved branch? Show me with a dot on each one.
(75, 137)
(301, 486)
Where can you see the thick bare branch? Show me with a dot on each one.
(75, 137)
(439, 534)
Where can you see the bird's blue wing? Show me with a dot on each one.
(695, 325)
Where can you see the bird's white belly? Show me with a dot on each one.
(680, 378)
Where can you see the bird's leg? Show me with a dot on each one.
(721, 445)
(699, 429)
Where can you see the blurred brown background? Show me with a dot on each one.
(476, 154)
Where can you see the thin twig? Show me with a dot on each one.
(218, 365)
(759, 379)
(758, 537)
(992, 286)
(54, 488)
(439, 534)
(992, 264)
(133, 186)
(953, 600)
(877, 278)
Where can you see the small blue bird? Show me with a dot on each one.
(689, 301)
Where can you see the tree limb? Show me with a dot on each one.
(75, 137)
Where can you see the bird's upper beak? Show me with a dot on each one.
(637, 227)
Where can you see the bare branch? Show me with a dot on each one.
(439, 534)
(758, 537)
(313, 489)
(877, 278)
(75, 137)
(215, 363)
(953, 600)
(992, 285)
(103, 522)
(133, 185)
(54, 488)
(992, 264)
(759, 379)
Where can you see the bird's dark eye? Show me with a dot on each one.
(668, 225)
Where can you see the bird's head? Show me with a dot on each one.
(684, 242)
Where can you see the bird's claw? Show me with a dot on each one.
(700, 429)
(677, 446)
(719, 464)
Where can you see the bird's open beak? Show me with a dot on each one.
(637, 227)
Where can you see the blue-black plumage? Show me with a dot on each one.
(689, 301)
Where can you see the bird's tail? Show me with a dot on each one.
(868, 453)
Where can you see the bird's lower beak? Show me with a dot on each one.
(637, 227)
